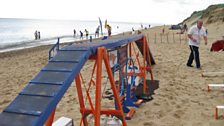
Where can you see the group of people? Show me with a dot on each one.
(37, 34)
(97, 32)
(194, 34)
(81, 34)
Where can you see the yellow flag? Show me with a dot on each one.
(105, 24)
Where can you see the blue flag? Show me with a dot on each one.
(101, 27)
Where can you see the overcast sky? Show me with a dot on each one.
(139, 11)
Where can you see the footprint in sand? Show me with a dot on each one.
(155, 115)
(173, 102)
(194, 101)
(201, 104)
(177, 114)
(156, 104)
(149, 124)
(178, 106)
(147, 112)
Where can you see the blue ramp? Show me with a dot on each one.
(39, 98)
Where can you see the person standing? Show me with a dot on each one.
(81, 35)
(141, 26)
(185, 27)
(74, 32)
(87, 33)
(133, 31)
(194, 34)
(38, 34)
(109, 30)
(97, 32)
(163, 30)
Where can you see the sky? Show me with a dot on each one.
(138, 11)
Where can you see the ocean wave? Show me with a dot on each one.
(33, 43)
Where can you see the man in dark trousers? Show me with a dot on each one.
(74, 32)
(81, 35)
(194, 34)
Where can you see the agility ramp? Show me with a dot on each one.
(36, 103)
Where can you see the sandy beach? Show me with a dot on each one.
(181, 100)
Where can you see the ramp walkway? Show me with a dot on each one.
(39, 98)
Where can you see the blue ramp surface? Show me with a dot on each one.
(41, 95)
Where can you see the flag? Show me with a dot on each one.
(105, 24)
(101, 27)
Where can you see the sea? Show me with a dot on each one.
(20, 33)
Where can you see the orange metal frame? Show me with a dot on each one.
(142, 67)
(99, 58)
(97, 110)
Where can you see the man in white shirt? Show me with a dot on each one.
(194, 34)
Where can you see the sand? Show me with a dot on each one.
(181, 100)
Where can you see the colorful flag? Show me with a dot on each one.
(105, 24)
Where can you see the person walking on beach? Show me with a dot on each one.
(194, 34)
(36, 34)
(81, 35)
(87, 33)
(74, 32)
(108, 30)
(141, 26)
(163, 30)
(185, 27)
(97, 32)
(133, 31)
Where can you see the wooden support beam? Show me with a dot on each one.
(212, 74)
(216, 111)
(214, 85)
